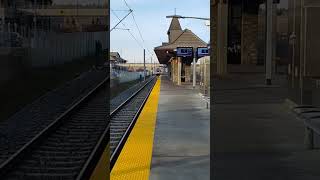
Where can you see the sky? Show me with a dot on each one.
(150, 16)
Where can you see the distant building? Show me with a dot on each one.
(116, 61)
(115, 58)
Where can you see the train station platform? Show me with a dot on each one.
(171, 138)
(256, 135)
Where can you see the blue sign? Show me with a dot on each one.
(184, 51)
(202, 51)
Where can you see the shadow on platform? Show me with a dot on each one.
(255, 136)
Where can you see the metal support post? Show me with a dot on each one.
(144, 64)
(194, 69)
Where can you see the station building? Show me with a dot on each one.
(179, 68)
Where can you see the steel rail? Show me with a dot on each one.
(6, 166)
(117, 151)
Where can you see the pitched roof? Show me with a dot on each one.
(186, 39)
(115, 56)
(175, 25)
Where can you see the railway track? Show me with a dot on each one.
(70, 147)
(123, 118)
(122, 97)
(24, 125)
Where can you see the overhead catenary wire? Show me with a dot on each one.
(135, 22)
(122, 28)
(128, 30)
(137, 27)
(120, 20)
(113, 12)
(142, 45)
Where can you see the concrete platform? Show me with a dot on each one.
(255, 135)
(181, 148)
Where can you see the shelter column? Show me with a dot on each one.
(179, 71)
(249, 35)
(187, 70)
(174, 70)
(222, 37)
(169, 71)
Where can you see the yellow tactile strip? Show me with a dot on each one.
(135, 158)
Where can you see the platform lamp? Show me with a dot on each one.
(175, 51)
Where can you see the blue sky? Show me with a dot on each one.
(150, 16)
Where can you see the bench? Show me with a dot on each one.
(311, 118)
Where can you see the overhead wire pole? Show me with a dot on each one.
(120, 21)
(151, 66)
(127, 30)
(137, 26)
(142, 46)
(144, 64)
(130, 11)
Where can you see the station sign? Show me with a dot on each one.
(202, 51)
(185, 52)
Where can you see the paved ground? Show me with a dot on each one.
(182, 137)
(255, 136)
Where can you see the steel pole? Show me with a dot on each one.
(144, 64)
(151, 67)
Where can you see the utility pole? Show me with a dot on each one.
(144, 64)
(268, 63)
